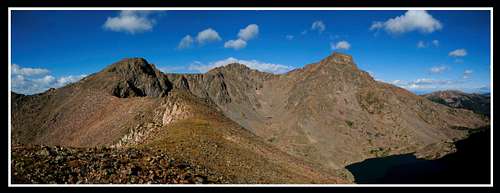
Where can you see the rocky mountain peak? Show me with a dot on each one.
(232, 67)
(341, 58)
(131, 77)
(337, 65)
(131, 65)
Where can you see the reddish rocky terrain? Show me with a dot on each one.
(239, 124)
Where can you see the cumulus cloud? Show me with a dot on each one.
(207, 35)
(341, 45)
(426, 84)
(318, 26)
(249, 32)
(253, 64)
(438, 69)
(396, 82)
(37, 80)
(130, 21)
(412, 20)
(64, 80)
(289, 37)
(245, 34)
(426, 81)
(17, 70)
(458, 53)
(467, 74)
(429, 84)
(235, 44)
(185, 42)
(424, 44)
(46, 80)
(377, 25)
(435, 43)
(421, 44)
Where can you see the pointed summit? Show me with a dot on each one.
(342, 58)
(131, 77)
(131, 65)
(232, 67)
(336, 64)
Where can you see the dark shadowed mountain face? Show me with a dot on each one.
(252, 127)
(469, 165)
(479, 103)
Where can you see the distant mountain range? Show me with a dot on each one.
(479, 103)
(248, 126)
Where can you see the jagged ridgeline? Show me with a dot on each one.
(304, 126)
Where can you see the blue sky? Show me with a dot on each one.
(421, 51)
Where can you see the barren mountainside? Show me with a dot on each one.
(479, 103)
(331, 112)
(304, 126)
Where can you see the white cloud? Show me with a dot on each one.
(68, 79)
(36, 81)
(17, 70)
(435, 43)
(341, 45)
(235, 44)
(249, 32)
(253, 64)
(427, 81)
(207, 35)
(377, 25)
(30, 85)
(318, 26)
(185, 42)
(172, 69)
(412, 20)
(438, 69)
(396, 82)
(426, 84)
(245, 34)
(467, 74)
(289, 37)
(130, 21)
(458, 53)
(421, 44)
(45, 81)
(424, 44)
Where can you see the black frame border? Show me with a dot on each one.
(246, 3)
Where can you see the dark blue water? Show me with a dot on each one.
(469, 165)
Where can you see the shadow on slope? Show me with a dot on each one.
(469, 165)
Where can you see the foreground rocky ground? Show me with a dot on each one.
(51, 164)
